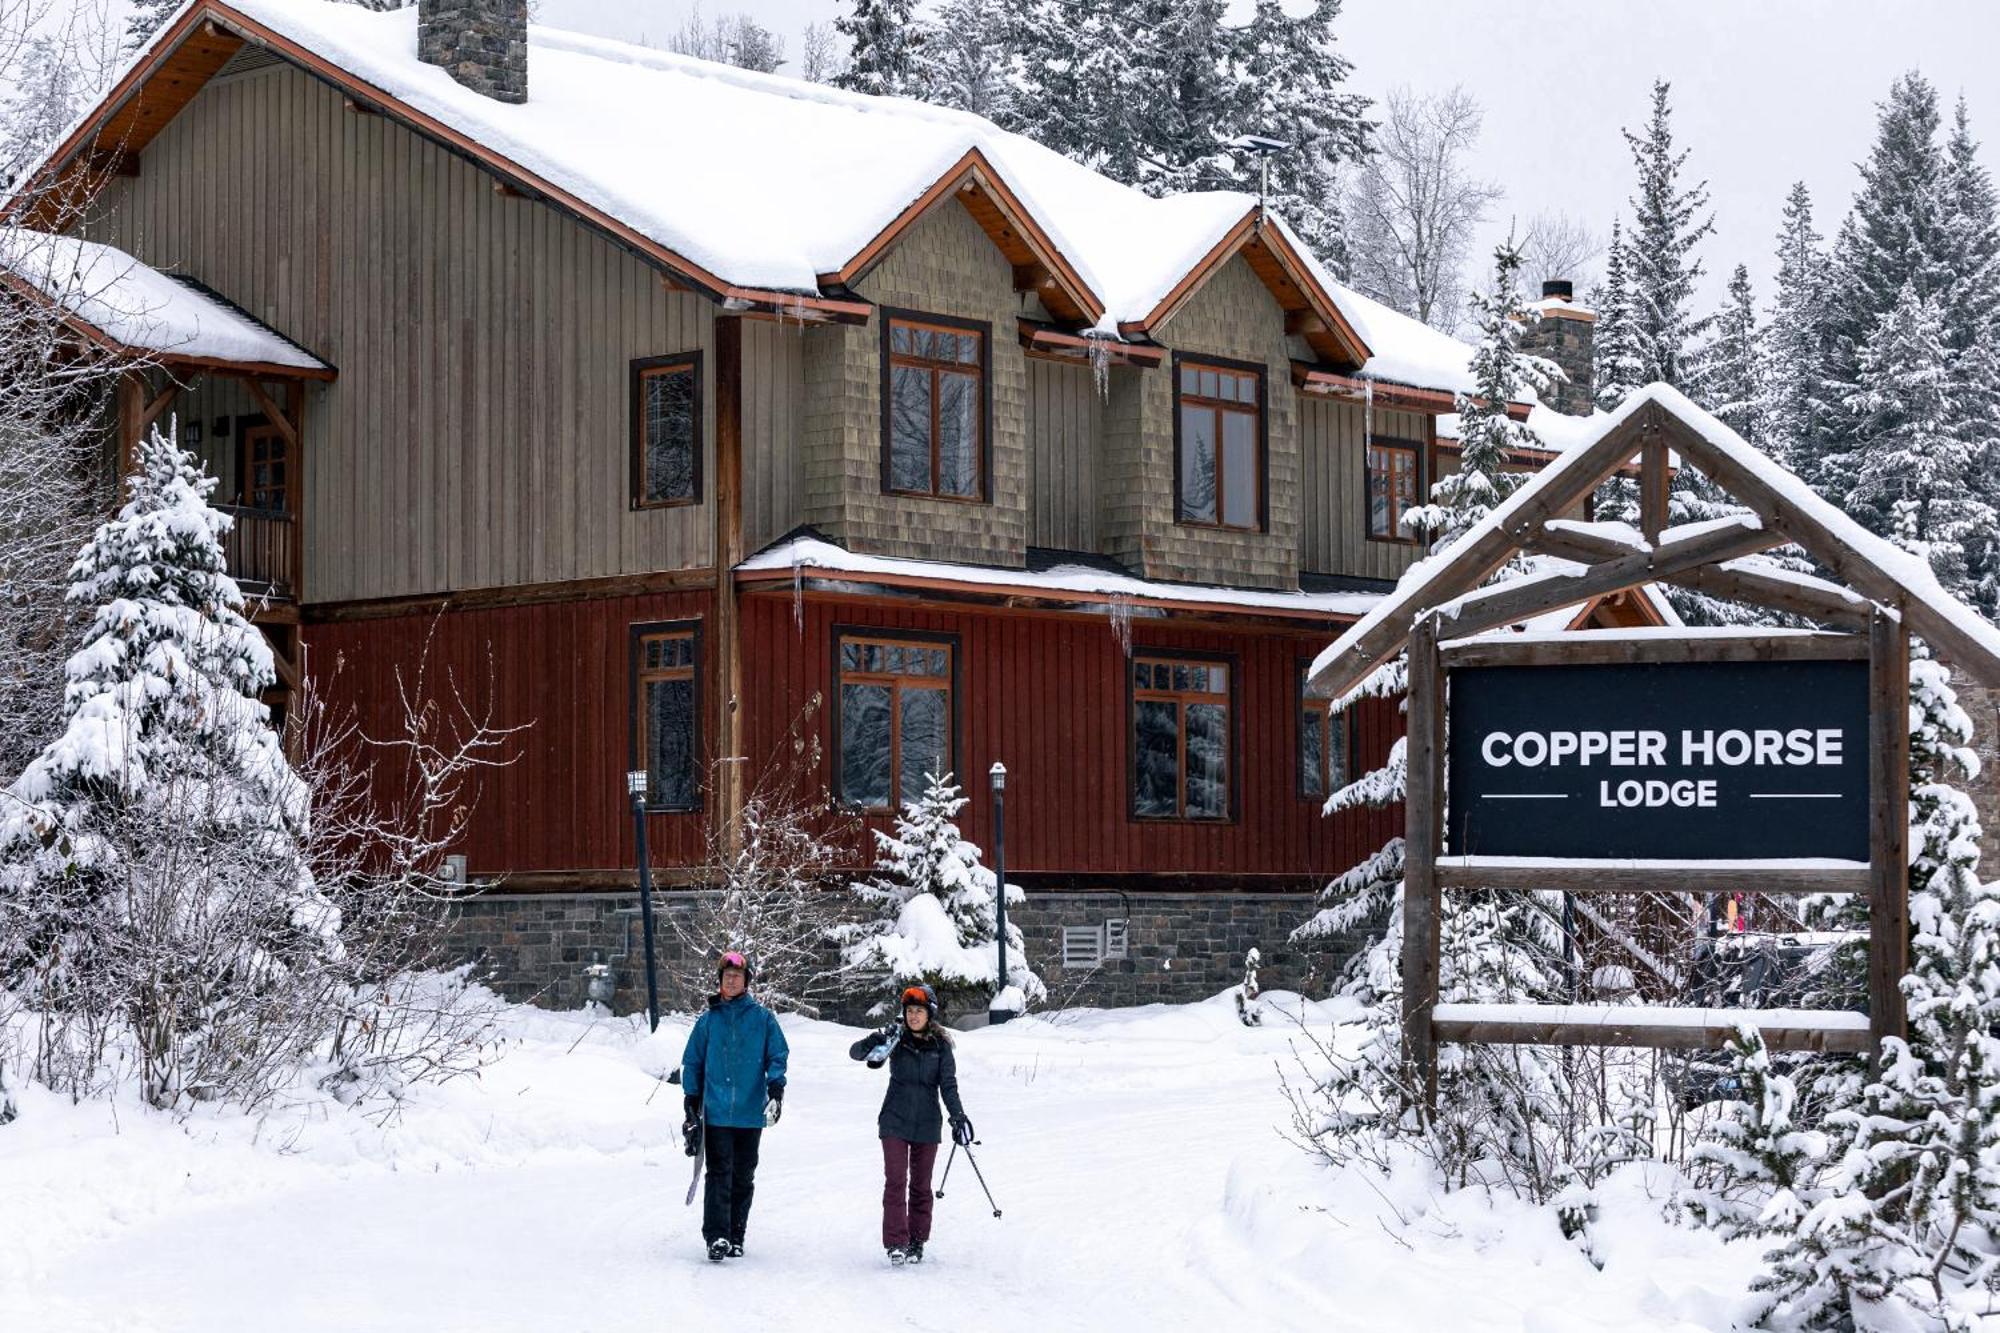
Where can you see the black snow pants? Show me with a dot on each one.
(732, 1178)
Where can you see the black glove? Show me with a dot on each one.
(691, 1137)
(961, 1131)
(692, 1106)
(774, 1107)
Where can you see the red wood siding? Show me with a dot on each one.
(562, 671)
(1046, 694)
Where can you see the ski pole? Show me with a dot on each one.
(982, 1178)
(947, 1170)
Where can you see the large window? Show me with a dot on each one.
(894, 717)
(1219, 443)
(1180, 738)
(666, 431)
(934, 408)
(666, 724)
(1324, 747)
(1394, 478)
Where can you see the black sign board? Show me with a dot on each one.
(1699, 761)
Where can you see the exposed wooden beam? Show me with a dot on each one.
(1648, 1027)
(1423, 835)
(1605, 647)
(1653, 489)
(1595, 877)
(279, 419)
(158, 404)
(1888, 823)
(1859, 572)
(1511, 602)
(1797, 594)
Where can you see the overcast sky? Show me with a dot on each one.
(1765, 91)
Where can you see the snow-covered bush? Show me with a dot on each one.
(768, 884)
(1754, 1164)
(934, 910)
(168, 908)
(1247, 1008)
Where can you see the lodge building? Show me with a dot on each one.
(652, 403)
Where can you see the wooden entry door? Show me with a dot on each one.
(265, 469)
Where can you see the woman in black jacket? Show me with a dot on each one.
(921, 1070)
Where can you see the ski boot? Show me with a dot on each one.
(916, 1252)
(898, 1256)
(718, 1250)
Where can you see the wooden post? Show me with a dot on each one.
(1423, 805)
(1653, 487)
(1889, 824)
(132, 389)
(727, 639)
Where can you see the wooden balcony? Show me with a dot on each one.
(261, 551)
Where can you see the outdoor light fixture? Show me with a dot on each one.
(998, 773)
(637, 781)
(598, 986)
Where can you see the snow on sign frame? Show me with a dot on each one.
(1693, 760)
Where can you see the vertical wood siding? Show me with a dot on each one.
(478, 433)
(1046, 694)
(1334, 537)
(560, 672)
(1064, 412)
(773, 462)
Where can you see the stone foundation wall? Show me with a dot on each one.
(533, 948)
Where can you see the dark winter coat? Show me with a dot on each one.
(734, 1053)
(921, 1069)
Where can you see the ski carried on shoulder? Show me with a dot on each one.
(884, 1048)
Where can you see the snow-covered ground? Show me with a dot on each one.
(1136, 1154)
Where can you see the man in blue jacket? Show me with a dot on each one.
(733, 1078)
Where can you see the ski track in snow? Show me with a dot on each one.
(1136, 1154)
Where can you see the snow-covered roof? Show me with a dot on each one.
(134, 306)
(767, 182)
(1882, 571)
(806, 556)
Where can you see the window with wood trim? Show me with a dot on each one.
(934, 408)
(894, 717)
(265, 479)
(666, 431)
(1395, 478)
(1325, 745)
(1180, 738)
(1219, 445)
(666, 714)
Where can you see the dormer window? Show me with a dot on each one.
(934, 427)
(1219, 444)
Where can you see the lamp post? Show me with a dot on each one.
(636, 782)
(997, 1013)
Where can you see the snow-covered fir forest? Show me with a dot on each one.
(246, 1081)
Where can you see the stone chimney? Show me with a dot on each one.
(481, 43)
(1564, 334)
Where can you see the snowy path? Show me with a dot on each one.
(1135, 1154)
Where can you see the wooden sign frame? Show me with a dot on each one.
(1428, 874)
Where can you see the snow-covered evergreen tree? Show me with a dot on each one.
(1919, 479)
(1912, 1211)
(166, 749)
(1616, 369)
(1765, 1166)
(966, 59)
(1793, 400)
(1730, 375)
(888, 47)
(143, 18)
(934, 908)
(1502, 374)
(1668, 221)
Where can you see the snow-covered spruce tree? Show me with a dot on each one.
(152, 852)
(887, 48)
(1616, 373)
(1910, 1215)
(934, 911)
(1667, 223)
(1920, 479)
(966, 59)
(1730, 369)
(1756, 1166)
(1793, 394)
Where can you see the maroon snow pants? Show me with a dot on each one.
(906, 1192)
